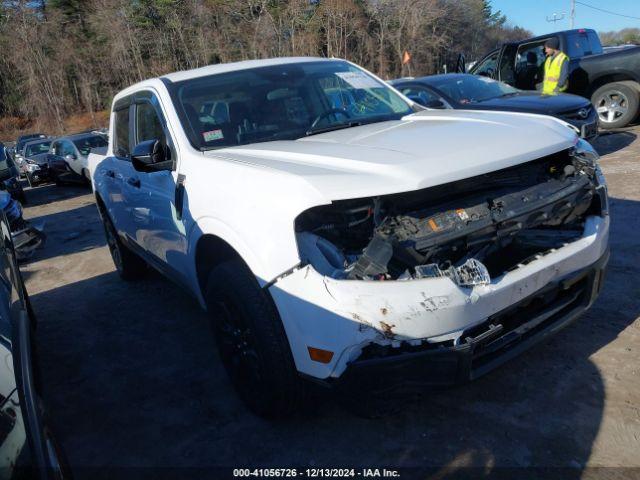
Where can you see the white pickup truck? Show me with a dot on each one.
(337, 232)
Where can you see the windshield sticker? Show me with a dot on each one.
(212, 135)
(358, 79)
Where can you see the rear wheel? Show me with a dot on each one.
(129, 265)
(252, 342)
(616, 104)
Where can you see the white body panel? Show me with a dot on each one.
(250, 196)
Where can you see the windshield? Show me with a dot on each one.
(282, 102)
(24, 139)
(85, 144)
(472, 88)
(36, 148)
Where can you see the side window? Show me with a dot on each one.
(487, 67)
(583, 44)
(148, 124)
(121, 140)
(578, 45)
(594, 42)
(68, 149)
(423, 96)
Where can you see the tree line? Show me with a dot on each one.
(626, 36)
(66, 56)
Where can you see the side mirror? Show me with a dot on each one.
(151, 156)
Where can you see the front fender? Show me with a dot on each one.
(256, 259)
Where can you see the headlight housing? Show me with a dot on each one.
(32, 167)
(585, 151)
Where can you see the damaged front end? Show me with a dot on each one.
(471, 230)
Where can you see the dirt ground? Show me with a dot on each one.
(132, 377)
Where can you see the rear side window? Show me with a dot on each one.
(121, 140)
(583, 44)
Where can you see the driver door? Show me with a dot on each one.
(488, 66)
(150, 197)
(71, 156)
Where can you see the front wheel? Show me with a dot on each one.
(616, 104)
(128, 264)
(251, 341)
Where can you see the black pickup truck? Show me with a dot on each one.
(611, 80)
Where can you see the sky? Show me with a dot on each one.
(532, 14)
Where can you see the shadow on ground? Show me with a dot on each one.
(132, 379)
(610, 141)
(49, 193)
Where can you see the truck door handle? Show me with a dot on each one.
(110, 173)
(134, 182)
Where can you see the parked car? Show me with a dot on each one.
(28, 446)
(21, 142)
(12, 182)
(472, 92)
(611, 80)
(67, 158)
(373, 247)
(35, 165)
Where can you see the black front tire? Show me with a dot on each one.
(129, 265)
(252, 342)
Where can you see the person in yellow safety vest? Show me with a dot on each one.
(556, 68)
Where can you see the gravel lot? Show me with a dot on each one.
(132, 377)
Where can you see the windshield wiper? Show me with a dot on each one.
(331, 128)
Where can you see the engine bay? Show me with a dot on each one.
(470, 230)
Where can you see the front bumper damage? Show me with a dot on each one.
(431, 331)
(500, 338)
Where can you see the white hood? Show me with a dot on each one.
(421, 150)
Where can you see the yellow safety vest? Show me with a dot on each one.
(552, 69)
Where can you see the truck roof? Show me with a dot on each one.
(235, 66)
(552, 34)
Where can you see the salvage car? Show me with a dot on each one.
(12, 182)
(21, 142)
(35, 165)
(67, 159)
(368, 246)
(473, 92)
(611, 80)
(28, 446)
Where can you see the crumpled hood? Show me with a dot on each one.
(421, 150)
